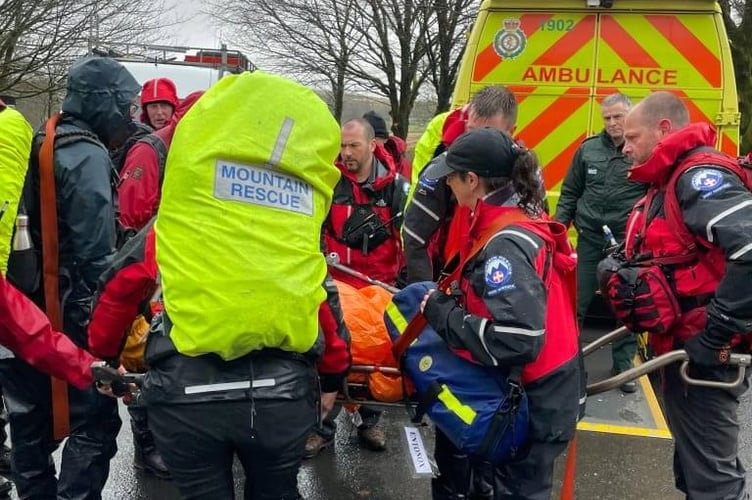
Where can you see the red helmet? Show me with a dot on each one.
(159, 90)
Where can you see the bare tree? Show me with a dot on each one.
(738, 20)
(311, 40)
(40, 38)
(448, 23)
(392, 60)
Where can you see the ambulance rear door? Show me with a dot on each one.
(562, 57)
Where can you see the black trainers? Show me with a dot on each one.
(315, 443)
(372, 438)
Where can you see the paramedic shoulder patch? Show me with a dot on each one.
(259, 185)
(706, 180)
(498, 274)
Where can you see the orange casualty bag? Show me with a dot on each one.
(363, 309)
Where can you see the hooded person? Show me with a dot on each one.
(143, 171)
(95, 118)
(159, 100)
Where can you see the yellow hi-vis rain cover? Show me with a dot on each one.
(249, 181)
(15, 146)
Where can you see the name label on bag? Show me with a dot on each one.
(418, 453)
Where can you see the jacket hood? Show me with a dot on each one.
(384, 174)
(158, 90)
(186, 104)
(168, 132)
(100, 92)
(665, 156)
(454, 126)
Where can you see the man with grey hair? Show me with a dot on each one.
(596, 193)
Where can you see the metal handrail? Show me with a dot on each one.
(605, 339)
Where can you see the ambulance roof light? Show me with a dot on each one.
(606, 4)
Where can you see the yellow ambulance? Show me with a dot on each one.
(561, 57)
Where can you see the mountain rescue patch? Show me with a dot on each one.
(498, 275)
(137, 173)
(706, 180)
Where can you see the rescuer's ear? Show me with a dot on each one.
(665, 126)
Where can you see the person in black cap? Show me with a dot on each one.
(395, 146)
(511, 307)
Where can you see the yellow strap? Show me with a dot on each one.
(397, 317)
(464, 412)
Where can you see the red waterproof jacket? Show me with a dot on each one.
(397, 147)
(126, 288)
(384, 195)
(141, 177)
(25, 330)
(517, 308)
(716, 211)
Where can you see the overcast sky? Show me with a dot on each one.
(196, 30)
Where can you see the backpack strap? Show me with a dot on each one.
(160, 148)
(50, 253)
(418, 324)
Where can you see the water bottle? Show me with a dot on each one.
(22, 239)
(610, 240)
(24, 271)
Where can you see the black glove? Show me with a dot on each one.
(702, 349)
(438, 308)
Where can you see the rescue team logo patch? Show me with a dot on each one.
(706, 180)
(498, 275)
(425, 184)
(511, 41)
(138, 172)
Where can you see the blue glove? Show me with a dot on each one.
(702, 350)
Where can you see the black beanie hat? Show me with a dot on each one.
(378, 124)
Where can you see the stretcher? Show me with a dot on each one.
(359, 393)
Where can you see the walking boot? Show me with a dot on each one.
(150, 460)
(372, 437)
(146, 457)
(315, 444)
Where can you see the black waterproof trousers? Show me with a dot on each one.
(527, 477)
(705, 426)
(94, 426)
(265, 427)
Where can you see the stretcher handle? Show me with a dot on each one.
(742, 361)
(611, 336)
(332, 260)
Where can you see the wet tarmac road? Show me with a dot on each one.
(609, 466)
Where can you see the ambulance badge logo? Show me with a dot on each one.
(511, 41)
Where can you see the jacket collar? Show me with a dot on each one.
(668, 152)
